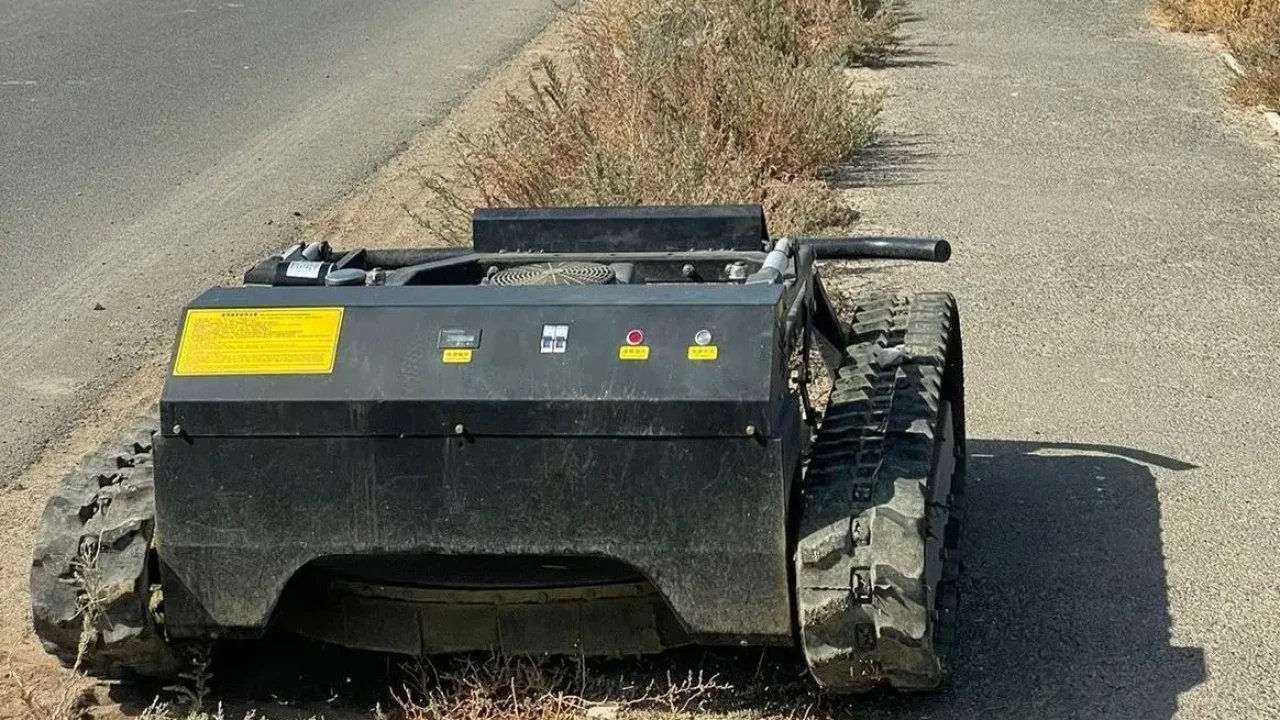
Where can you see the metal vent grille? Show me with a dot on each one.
(554, 273)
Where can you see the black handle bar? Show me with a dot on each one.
(879, 248)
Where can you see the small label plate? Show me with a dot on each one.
(459, 338)
(633, 352)
(303, 269)
(703, 353)
(456, 356)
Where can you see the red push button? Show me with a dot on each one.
(635, 337)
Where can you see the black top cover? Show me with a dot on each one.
(662, 228)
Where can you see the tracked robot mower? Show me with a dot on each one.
(588, 433)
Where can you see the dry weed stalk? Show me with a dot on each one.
(158, 710)
(198, 675)
(91, 595)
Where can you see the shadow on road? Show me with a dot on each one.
(1064, 614)
(1065, 607)
(891, 160)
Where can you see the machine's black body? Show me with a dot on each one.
(588, 433)
(673, 472)
(518, 452)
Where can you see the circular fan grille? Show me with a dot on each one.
(555, 273)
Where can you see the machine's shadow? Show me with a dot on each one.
(1065, 609)
(1064, 614)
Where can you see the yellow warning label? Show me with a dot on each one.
(703, 352)
(456, 355)
(633, 352)
(252, 341)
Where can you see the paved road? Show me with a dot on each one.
(148, 148)
(1117, 261)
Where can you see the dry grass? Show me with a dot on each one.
(686, 686)
(1250, 27)
(491, 687)
(503, 689)
(682, 101)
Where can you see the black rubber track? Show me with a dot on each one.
(93, 552)
(876, 553)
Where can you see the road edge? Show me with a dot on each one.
(1230, 60)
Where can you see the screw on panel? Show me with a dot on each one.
(459, 429)
(751, 431)
(177, 429)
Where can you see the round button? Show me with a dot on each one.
(635, 337)
(702, 337)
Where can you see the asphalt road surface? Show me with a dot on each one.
(1116, 260)
(148, 148)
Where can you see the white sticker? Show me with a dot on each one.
(303, 269)
(555, 339)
